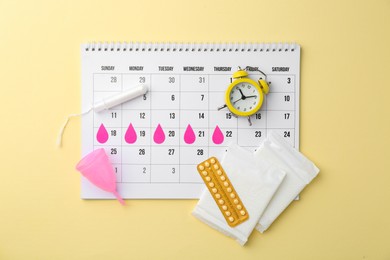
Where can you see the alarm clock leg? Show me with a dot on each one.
(222, 107)
(249, 120)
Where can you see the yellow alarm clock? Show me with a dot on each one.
(244, 96)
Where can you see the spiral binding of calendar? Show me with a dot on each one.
(188, 47)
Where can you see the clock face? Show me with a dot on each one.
(244, 97)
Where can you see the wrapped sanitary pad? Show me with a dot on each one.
(300, 171)
(255, 184)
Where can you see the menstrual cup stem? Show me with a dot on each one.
(118, 197)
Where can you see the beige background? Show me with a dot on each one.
(345, 128)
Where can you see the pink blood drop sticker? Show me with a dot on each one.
(130, 135)
(218, 136)
(159, 135)
(102, 134)
(189, 135)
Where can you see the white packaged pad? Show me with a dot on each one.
(300, 172)
(255, 185)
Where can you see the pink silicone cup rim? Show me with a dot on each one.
(89, 160)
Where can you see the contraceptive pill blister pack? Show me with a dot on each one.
(223, 192)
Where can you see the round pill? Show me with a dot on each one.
(221, 202)
(224, 207)
(235, 201)
(232, 195)
(207, 164)
(229, 189)
(208, 178)
(228, 213)
(226, 184)
(216, 166)
(201, 167)
(223, 178)
(214, 190)
(231, 219)
(242, 212)
(239, 207)
(212, 160)
(211, 184)
(204, 173)
(218, 196)
(219, 172)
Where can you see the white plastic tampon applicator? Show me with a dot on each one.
(118, 99)
(107, 103)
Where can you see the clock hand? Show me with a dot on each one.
(242, 94)
(251, 96)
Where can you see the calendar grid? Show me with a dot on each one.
(295, 108)
(180, 128)
(208, 105)
(120, 180)
(93, 102)
(184, 104)
(179, 171)
(150, 143)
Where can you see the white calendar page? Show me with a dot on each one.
(155, 141)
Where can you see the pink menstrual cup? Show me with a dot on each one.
(96, 167)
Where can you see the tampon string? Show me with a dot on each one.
(106, 103)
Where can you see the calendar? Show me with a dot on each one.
(156, 140)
